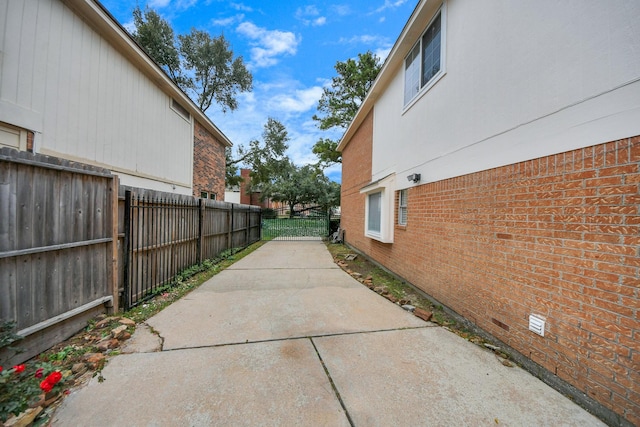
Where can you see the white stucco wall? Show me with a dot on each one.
(85, 101)
(523, 80)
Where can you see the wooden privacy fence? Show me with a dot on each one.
(164, 234)
(57, 245)
(73, 241)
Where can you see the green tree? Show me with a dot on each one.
(265, 158)
(201, 65)
(213, 73)
(303, 185)
(340, 102)
(156, 37)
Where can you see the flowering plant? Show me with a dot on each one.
(21, 386)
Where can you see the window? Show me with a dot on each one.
(213, 196)
(375, 212)
(402, 207)
(379, 209)
(204, 195)
(178, 108)
(424, 63)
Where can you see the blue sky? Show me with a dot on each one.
(290, 47)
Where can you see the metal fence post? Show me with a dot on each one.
(127, 249)
(201, 208)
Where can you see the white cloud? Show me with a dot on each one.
(310, 10)
(363, 39)
(159, 3)
(310, 15)
(242, 7)
(382, 53)
(319, 21)
(298, 102)
(341, 9)
(268, 44)
(225, 22)
(388, 4)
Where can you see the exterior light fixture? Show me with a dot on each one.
(414, 177)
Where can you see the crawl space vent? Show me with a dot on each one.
(536, 324)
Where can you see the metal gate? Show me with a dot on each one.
(303, 223)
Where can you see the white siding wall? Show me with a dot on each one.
(85, 101)
(523, 80)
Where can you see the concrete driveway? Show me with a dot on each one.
(286, 338)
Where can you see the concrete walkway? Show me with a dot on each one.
(286, 338)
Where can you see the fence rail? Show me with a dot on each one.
(56, 243)
(164, 234)
(74, 242)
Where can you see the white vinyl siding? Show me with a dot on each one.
(522, 81)
(85, 100)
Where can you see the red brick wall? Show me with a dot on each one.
(209, 163)
(356, 173)
(557, 236)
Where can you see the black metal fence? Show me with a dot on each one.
(303, 223)
(164, 234)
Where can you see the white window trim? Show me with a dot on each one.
(385, 186)
(443, 58)
(405, 206)
(185, 115)
(19, 134)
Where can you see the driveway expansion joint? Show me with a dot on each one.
(302, 337)
(333, 385)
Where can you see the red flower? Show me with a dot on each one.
(18, 368)
(46, 386)
(39, 373)
(0, 368)
(54, 377)
(51, 380)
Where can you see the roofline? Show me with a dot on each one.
(414, 27)
(102, 21)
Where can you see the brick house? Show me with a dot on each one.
(240, 193)
(75, 85)
(495, 165)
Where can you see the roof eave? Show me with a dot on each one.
(99, 18)
(410, 33)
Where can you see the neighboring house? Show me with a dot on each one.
(495, 165)
(240, 193)
(74, 84)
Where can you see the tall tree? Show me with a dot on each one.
(201, 65)
(340, 102)
(213, 73)
(156, 36)
(265, 158)
(295, 185)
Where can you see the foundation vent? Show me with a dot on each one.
(536, 324)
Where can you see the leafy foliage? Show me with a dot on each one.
(201, 65)
(265, 158)
(340, 102)
(214, 74)
(295, 185)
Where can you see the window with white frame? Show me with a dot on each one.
(375, 212)
(379, 209)
(402, 207)
(424, 63)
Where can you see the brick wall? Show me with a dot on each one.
(557, 236)
(356, 167)
(209, 163)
